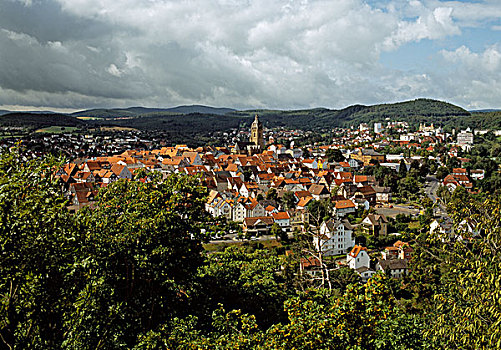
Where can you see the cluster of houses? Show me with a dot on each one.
(260, 187)
(393, 261)
(246, 189)
(460, 177)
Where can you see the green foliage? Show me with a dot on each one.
(138, 259)
(272, 194)
(468, 303)
(342, 277)
(364, 317)
(402, 169)
(409, 187)
(320, 211)
(385, 176)
(98, 278)
(252, 282)
(230, 330)
(37, 245)
(456, 281)
(130, 273)
(442, 172)
(37, 121)
(334, 155)
(278, 233)
(288, 200)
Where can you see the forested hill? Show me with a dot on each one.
(143, 111)
(202, 120)
(421, 110)
(39, 120)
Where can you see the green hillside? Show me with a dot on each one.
(105, 113)
(414, 112)
(35, 120)
(201, 124)
(143, 111)
(421, 110)
(180, 122)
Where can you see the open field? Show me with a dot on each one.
(397, 209)
(116, 128)
(88, 118)
(58, 129)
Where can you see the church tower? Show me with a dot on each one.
(257, 133)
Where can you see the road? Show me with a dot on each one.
(431, 188)
(431, 191)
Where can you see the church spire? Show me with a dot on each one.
(257, 133)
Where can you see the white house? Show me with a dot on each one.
(295, 152)
(310, 163)
(253, 208)
(395, 268)
(477, 174)
(358, 257)
(193, 158)
(344, 207)
(220, 207)
(121, 171)
(238, 212)
(353, 163)
(444, 229)
(383, 194)
(335, 237)
(365, 273)
(282, 219)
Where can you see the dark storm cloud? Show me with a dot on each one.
(46, 21)
(259, 53)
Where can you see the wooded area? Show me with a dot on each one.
(131, 273)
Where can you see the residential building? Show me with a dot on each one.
(335, 237)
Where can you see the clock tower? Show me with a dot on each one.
(257, 133)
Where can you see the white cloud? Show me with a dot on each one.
(436, 24)
(254, 53)
(487, 61)
(113, 70)
(474, 77)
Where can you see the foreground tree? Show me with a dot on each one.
(363, 317)
(37, 247)
(255, 282)
(334, 155)
(138, 260)
(467, 303)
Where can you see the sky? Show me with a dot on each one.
(70, 55)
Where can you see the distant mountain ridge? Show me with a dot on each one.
(143, 111)
(183, 121)
(484, 110)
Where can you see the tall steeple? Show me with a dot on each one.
(257, 133)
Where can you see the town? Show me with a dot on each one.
(357, 197)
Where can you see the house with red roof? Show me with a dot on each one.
(257, 226)
(344, 207)
(358, 257)
(283, 220)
